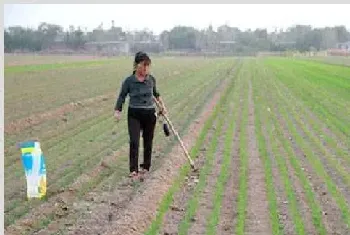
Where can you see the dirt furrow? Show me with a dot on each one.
(285, 218)
(301, 200)
(338, 153)
(338, 179)
(35, 119)
(331, 214)
(304, 209)
(205, 204)
(228, 215)
(176, 213)
(174, 216)
(258, 220)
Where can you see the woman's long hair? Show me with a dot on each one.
(140, 57)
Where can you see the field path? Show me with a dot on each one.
(258, 221)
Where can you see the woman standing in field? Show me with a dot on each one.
(141, 87)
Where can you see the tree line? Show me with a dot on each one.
(299, 37)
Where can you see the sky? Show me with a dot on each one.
(163, 17)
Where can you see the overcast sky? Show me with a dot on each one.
(161, 17)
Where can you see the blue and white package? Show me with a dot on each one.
(34, 167)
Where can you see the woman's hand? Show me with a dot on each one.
(117, 115)
(162, 109)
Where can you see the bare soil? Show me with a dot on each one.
(304, 209)
(228, 214)
(258, 220)
(205, 204)
(285, 218)
(173, 217)
(36, 119)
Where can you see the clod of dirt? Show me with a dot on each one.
(227, 227)
(110, 216)
(28, 120)
(283, 217)
(104, 164)
(113, 204)
(90, 199)
(70, 189)
(175, 208)
(28, 223)
(65, 119)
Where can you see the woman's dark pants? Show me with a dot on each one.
(141, 120)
